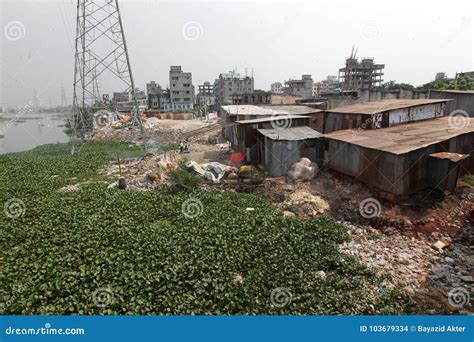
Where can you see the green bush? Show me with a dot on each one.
(183, 178)
(469, 179)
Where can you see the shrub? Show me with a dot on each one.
(183, 178)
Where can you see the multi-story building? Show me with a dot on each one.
(276, 88)
(124, 101)
(303, 87)
(153, 92)
(157, 96)
(361, 75)
(326, 86)
(181, 90)
(440, 76)
(230, 84)
(469, 74)
(205, 96)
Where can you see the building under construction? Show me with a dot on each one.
(363, 74)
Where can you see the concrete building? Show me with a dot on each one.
(276, 88)
(205, 97)
(265, 98)
(469, 74)
(303, 87)
(153, 92)
(363, 75)
(461, 100)
(230, 84)
(403, 160)
(123, 101)
(181, 90)
(326, 86)
(441, 76)
(380, 114)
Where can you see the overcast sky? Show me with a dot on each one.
(277, 39)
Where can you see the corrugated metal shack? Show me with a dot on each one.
(380, 114)
(396, 160)
(245, 134)
(463, 100)
(281, 148)
(232, 113)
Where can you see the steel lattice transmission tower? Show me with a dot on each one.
(101, 51)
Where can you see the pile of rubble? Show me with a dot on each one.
(303, 204)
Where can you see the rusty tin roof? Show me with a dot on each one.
(374, 107)
(407, 137)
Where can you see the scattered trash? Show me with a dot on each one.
(237, 158)
(440, 244)
(113, 185)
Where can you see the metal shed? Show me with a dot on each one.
(461, 100)
(232, 113)
(397, 159)
(380, 114)
(281, 148)
(246, 135)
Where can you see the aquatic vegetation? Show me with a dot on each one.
(102, 251)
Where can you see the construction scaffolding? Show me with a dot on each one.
(364, 74)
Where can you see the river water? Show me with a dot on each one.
(31, 130)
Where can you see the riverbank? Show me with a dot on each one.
(96, 250)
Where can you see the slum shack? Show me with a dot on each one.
(245, 137)
(279, 149)
(232, 113)
(380, 114)
(461, 100)
(403, 160)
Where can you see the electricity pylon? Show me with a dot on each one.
(63, 97)
(101, 51)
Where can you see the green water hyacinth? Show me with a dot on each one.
(103, 251)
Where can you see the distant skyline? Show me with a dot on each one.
(279, 40)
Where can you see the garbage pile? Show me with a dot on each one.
(304, 169)
(214, 171)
